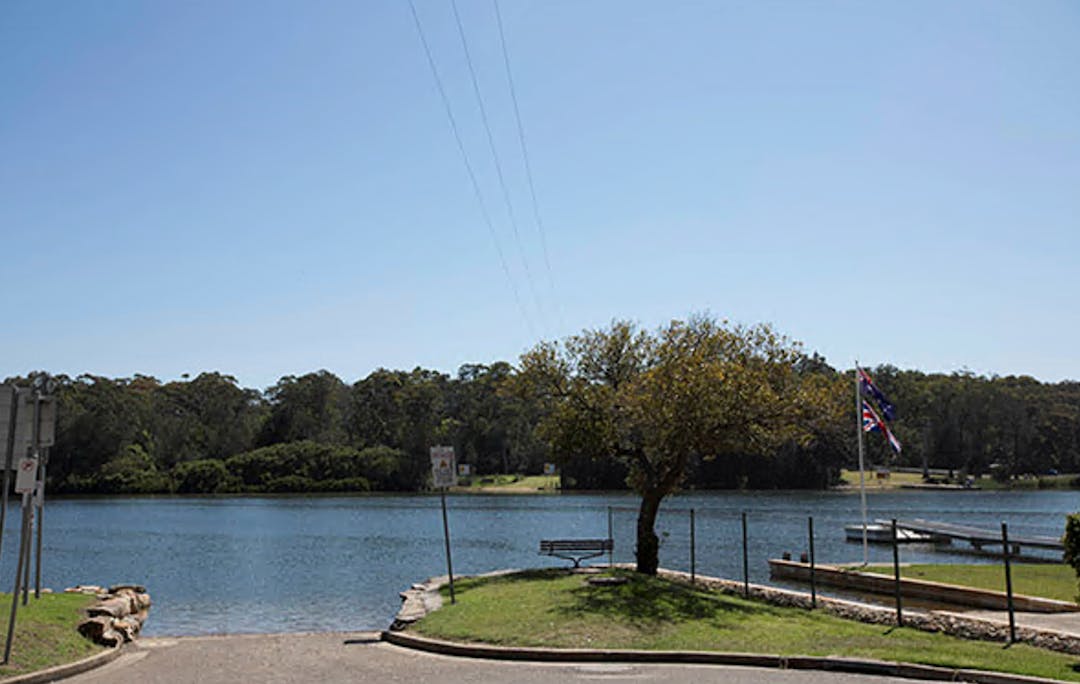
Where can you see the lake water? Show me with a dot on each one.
(292, 564)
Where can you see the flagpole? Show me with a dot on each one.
(862, 477)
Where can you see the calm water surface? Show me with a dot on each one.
(228, 565)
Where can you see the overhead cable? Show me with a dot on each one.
(495, 157)
(525, 155)
(469, 169)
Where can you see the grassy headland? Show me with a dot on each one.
(1047, 580)
(45, 633)
(553, 608)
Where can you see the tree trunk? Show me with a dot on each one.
(648, 545)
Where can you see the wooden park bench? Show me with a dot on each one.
(575, 550)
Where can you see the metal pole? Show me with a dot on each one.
(896, 574)
(745, 559)
(862, 476)
(9, 451)
(446, 534)
(611, 536)
(813, 578)
(1008, 583)
(28, 498)
(40, 509)
(18, 580)
(693, 559)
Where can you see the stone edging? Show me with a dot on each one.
(945, 622)
(68, 669)
(851, 665)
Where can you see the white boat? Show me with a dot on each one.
(881, 533)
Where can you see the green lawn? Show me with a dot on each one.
(509, 484)
(851, 477)
(557, 609)
(1048, 580)
(45, 632)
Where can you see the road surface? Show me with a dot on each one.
(360, 657)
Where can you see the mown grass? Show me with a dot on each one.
(45, 632)
(509, 484)
(1047, 580)
(557, 609)
(851, 478)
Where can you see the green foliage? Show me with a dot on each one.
(1072, 542)
(133, 471)
(1020, 429)
(205, 476)
(310, 466)
(656, 401)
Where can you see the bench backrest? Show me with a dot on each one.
(550, 545)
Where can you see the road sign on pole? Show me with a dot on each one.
(443, 475)
(26, 475)
(443, 470)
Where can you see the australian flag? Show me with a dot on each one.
(871, 423)
(869, 389)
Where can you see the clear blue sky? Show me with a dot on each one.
(270, 188)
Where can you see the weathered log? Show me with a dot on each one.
(100, 631)
(116, 607)
(137, 588)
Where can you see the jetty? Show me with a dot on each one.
(987, 541)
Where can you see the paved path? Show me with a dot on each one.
(358, 657)
(1065, 623)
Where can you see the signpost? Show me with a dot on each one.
(29, 426)
(443, 475)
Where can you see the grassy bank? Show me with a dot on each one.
(1047, 580)
(557, 609)
(45, 632)
(508, 484)
(851, 479)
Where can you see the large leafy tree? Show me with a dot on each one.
(692, 389)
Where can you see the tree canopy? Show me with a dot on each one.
(655, 401)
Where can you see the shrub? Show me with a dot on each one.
(207, 476)
(1072, 542)
(132, 471)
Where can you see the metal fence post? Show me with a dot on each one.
(896, 574)
(745, 559)
(693, 550)
(611, 536)
(1008, 583)
(813, 578)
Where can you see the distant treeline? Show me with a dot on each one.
(317, 433)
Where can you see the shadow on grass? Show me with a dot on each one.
(645, 600)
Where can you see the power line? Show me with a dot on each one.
(495, 157)
(525, 152)
(469, 168)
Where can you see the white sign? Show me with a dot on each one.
(26, 475)
(549, 468)
(443, 473)
(39, 494)
(24, 423)
(464, 469)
